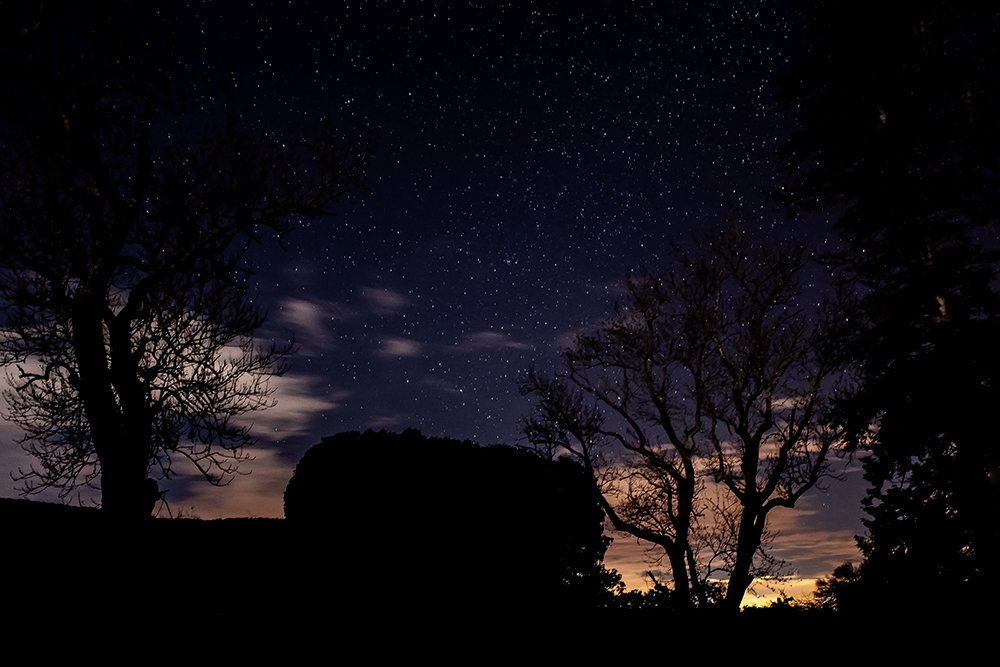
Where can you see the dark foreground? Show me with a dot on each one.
(68, 569)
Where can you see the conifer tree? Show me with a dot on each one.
(899, 132)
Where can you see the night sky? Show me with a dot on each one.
(527, 155)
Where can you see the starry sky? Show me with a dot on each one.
(527, 155)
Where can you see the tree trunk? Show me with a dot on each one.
(748, 541)
(126, 492)
(682, 582)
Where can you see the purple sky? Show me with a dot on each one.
(528, 155)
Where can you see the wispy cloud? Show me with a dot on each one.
(305, 317)
(314, 321)
(299, 406)
(259, 494)
(384, 301)
(398, 348)
(489, 340)
(390, 421)
(441, 385)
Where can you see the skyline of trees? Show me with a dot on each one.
(123, 236)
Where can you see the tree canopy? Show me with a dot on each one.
(899, 130)
(473, 525)
(711, 371)
(126, 215)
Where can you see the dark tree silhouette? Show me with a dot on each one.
(710, 370)
(457, 522)
(839, 590)
(126, 214)
(900, 128)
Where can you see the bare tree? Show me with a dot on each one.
(711, 372)
(126, 306)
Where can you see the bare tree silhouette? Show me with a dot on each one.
(123, 232)
(710, 370)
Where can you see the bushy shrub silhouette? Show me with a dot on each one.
(442, 517)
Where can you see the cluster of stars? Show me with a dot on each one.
(526, 158)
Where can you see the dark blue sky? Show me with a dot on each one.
(527, 155)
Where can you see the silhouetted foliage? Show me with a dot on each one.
(125, 216)
(343, 583)
(661, 599)
(457, 522)
(899, 107)
(839, 590)
(711, 370)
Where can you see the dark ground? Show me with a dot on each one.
(71, 573)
